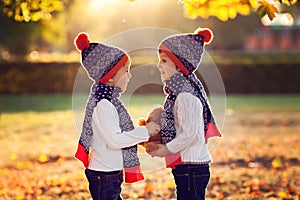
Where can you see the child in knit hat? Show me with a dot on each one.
(107, 128)
(187, 121)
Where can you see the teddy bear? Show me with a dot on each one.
(153, 116)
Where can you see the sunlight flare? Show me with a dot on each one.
(95, 4)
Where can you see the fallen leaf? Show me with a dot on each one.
(43, 158)
(277, 163)
(282, 194)
(148, 188)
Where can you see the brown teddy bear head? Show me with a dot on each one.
(153, 116)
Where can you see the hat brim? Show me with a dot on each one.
(114, 70)
(174, 59)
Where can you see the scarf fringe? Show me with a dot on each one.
(133, 174)
(82, 155)
(212, 131)
(172, 160)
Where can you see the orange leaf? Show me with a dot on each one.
(271, 11)
(219, 181)
(267, 8)
(220, 195)
(148, 188)
(255, 193)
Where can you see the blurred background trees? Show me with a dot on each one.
(31, 10)
(50, 26)
(225, 10)
(28, 25)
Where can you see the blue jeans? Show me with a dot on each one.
(191, 181)
(104, 185)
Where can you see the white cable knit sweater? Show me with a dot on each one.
(108, 140)
(189, 140)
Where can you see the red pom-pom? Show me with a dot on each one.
(142, 122)
(206, 33)
(82, 41)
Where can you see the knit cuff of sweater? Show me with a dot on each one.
(169, 148)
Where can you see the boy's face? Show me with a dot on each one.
(166, 67)
(121, 78)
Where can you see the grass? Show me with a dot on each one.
(37, 103)
(264, 103)
(254, 58)
(57, 102)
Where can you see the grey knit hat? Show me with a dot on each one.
(100, 61)
(186, 50)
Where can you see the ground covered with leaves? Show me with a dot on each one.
(257, 158)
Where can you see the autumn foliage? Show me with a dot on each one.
(258, 158)
(225, 10)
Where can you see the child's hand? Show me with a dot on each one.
(152, 128)
(150, 147)
(161, 151)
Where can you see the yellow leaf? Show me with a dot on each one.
(80, 176)
(171, 185)
(43, 158)
(4, 171)
(55, 182)
(20, 197)
(223, 10)
(20, 165)
(222, 14)
(277, 163)
(253, 3)
(263, 3)
(289, 2)
(2, 192)
(13, 156)
(282, 194)
(244, 9)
